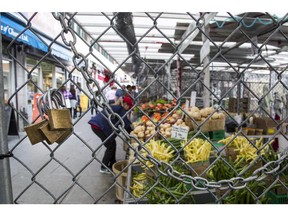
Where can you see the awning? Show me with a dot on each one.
(12, 29)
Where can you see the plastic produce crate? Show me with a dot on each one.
(217, 135)
(277, 198)
(203, 135)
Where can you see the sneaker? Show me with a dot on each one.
(104, 170)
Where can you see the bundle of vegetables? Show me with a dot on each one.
(156, 117)
(159, 105)
(172, 119)
(243, 148)
(168, 190)
(138, 182)
(144, 119)
(197, 150)
(245, 196)
(221, 170)
(159, 150)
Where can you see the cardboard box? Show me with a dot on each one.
(264, 123)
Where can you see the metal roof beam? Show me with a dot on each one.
(140, 26)
(191, 27)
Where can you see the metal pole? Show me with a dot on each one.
(239, 95)
(179, 77)
(5, 176)
(168, 72)
(206, 93)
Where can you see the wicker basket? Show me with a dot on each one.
(118, 167)
(209, 125)
(216, 124)
(204, 128)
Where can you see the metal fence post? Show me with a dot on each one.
(5, 177)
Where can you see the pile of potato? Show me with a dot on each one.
(201, 115)
(166, 128)
(139, 131)
(143, 131)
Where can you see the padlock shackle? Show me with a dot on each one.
(60, 98)
(57, 97)
(40, 108)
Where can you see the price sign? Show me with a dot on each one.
(193, 99)
(179, 132)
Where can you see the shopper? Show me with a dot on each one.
(278, 108)
(101, 127)
(67, 96)
(78, 92)
(73, 101)
(111, 95)
(120, 92)
(129, 91)
(92, 103)
(134, 92)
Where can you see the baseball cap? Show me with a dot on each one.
(128, 101)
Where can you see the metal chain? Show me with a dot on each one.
(235, 183)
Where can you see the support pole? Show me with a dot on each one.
(5, 176)
(168, 72)
(206, 93)
(179, 77)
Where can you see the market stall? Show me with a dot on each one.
(194, 142)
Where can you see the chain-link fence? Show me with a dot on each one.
(225, 150)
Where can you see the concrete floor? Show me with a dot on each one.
(39, 178)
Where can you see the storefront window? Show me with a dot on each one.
(47, 75)
(60, 78)
(6, 78)
(32, 86)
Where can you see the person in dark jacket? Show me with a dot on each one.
(101, 127)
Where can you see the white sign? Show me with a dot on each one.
(193, 99)
(179, 132)
(205, 50)
(187, 105)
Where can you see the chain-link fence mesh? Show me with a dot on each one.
(155, 168)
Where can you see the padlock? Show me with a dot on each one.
(51, 136)
(59, 119)
(65, 136)
(33, 133)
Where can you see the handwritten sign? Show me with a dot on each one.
(193, 99)
(179, 132)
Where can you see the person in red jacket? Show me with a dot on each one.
(101, 127)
